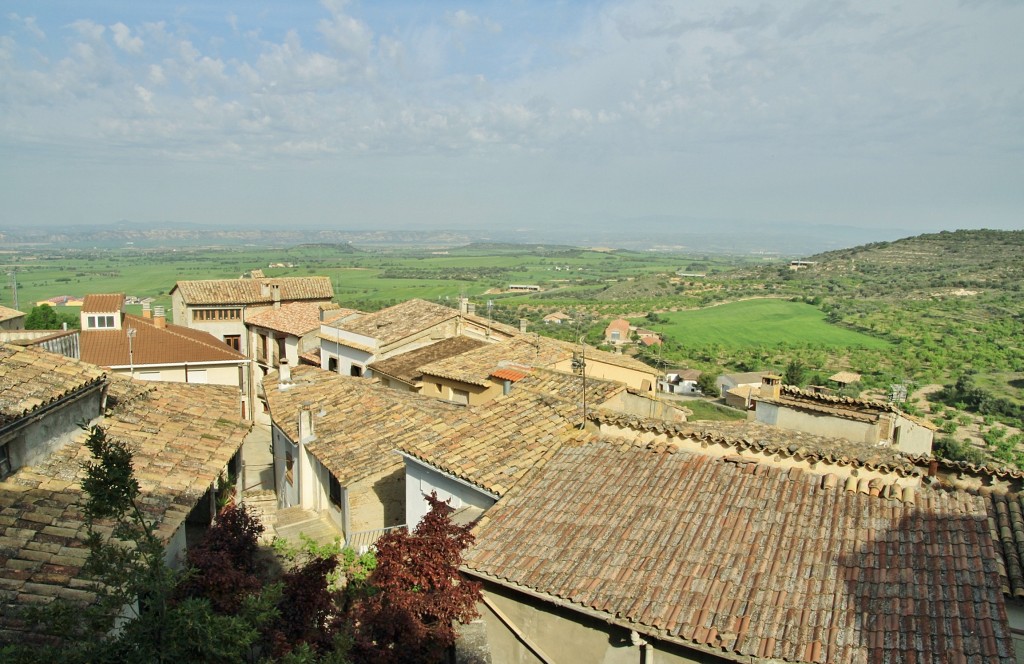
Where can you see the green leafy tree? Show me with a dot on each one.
(795, 373)
(706, 383)
(45, 317)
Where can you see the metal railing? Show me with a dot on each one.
(362, 541)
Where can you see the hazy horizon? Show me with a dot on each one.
(607, 116)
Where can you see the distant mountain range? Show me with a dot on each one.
(649, 233)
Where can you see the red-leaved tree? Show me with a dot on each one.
(418, 593)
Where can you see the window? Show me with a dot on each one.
(234, 340)
(147, 375)
(460, 397)
(280, 349)
(289, 465)
(216, 314)
(335, 490)
(356, 371)
(196, 376)
(5, 461)
(262, 347)
(332, 364)
(95, 322)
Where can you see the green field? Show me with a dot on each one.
(760, 322)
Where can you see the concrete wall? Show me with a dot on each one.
(914, 438)
(420, 481)
(819, 424)
(345, 355)
(287, 492)
(57, 427)
(377, 501)
(568, 636)
(215, 374)
(444, 388)
(634, 404)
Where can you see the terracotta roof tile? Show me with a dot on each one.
(756, 561)
(294, 318)
(767, 440)
(405, 366)
(31, 378)
(181, 435)
(103, 302)
(475, 367)
(398, 322)
(357, 421)
(6, 313)
(569, 386)
(153, 345)
(252, 291)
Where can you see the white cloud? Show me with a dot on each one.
(124, 40)
(30, 25)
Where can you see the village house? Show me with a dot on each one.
(727, 382)
(183, 437)
(222, 306)
(11, 319)
(349, 346)
(617, 332)
(680, 381)
(62, 342)
(147, 347)
(870, 422)
(645, 550)
(403, 371)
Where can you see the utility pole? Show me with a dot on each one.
(14, 285)
(131, 332)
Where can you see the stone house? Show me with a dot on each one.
(617, 332)
(653, 547)
(182, 437)
(11, 319)
(870, 422)
(222, 306)
(147, 347)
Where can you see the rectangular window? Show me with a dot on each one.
(335, 490)
(207, 315)
(5, 461)
(96, 322)
(147, 375)
(234, 340)
(460, 397)
(197, 376)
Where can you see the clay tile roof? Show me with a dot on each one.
(172, 344)
(251, 291)
(569, 386)
(103, 302)
(758, 562)
(495, 445)
(31, 378)
(398, 322)
(475, 367)
(405, 366)
(6, 313)
(294, 318)
(770, 441)
(182, 437)
(620, 325)
(357, 422)
(510, 374)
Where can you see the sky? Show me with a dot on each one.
(513, 113)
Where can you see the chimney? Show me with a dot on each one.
(147, 312)
(264, 289)
(771, 386)
(275, 295)
(284, 373)
(305, 423)
(463, 305)
(159, 319)
(522, 324)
